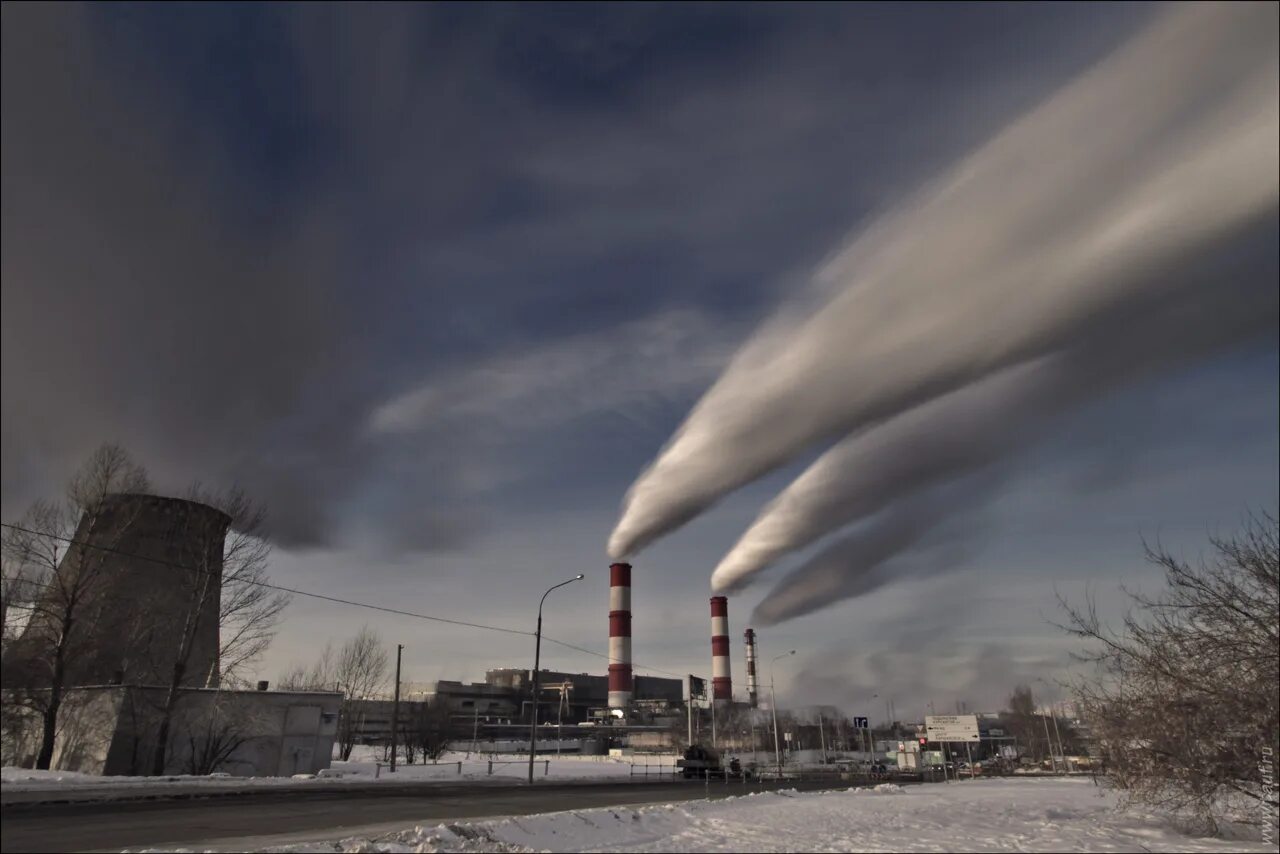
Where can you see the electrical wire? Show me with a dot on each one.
(312, 595)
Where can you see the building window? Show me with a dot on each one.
(466, 704)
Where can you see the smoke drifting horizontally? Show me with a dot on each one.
(1073, 253)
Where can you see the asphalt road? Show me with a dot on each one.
(246, 821)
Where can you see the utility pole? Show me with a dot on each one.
(822, 737)
(395, 709)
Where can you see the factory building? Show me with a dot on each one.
(582, 692)
(568, 697)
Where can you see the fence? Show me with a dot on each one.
(545, 763)
(654, 770)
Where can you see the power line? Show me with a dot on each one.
(324, 597)
(258, 583)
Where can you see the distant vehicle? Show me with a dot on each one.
(706, 762)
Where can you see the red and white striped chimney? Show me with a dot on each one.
(619, 635)
(721, 681)
(752, 685)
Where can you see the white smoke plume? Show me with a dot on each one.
(972, 428)
(924, 473)
(1081, 211)
(914, 536)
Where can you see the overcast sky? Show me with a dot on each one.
(435, 283)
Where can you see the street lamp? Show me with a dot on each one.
(773, 705)
(537, 661)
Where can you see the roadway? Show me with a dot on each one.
(250, 820)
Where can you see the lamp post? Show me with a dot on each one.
(537, 662)
(773, 706)
(395, 710)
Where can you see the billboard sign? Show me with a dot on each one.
(860, 723)
(698, 693)
(951, 727)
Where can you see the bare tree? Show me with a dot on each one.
(318, 677)
(222, 573)
(1184, 700)
(214, 734)
(1021, 719)
(430, 731)
(358, 669)
(19, 591)
(49, 548)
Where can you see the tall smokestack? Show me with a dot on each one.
(619, 635)
(752, 685)
(721, 681)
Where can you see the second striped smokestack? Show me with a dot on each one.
(752, 685)
(721, 681)
(619, 635)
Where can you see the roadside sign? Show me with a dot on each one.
(951, 727)
(860, 723)
(696, 688)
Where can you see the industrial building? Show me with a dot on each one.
(563, 697)
(146, 570)
(109, 729)
(154, 562)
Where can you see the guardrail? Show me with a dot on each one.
(378, 766)
(545, 763)
(656, 771)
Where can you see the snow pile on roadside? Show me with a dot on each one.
(985, 815)
(475, 768)
(28, 779)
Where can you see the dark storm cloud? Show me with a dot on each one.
(137, 306)
(233, 234)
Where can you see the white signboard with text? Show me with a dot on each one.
(951, 727)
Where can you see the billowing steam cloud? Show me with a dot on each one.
(1035, 255)
(912, 536)
(970, 429)
(927, 468)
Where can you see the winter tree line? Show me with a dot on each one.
(360, 668)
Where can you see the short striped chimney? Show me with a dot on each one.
(619, 635)
(752, 685)
(721, 681)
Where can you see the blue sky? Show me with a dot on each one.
(236, 236)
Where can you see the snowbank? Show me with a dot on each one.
(363, 769)
(984, 815)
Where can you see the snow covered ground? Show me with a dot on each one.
(363, 769)
(983, 815)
